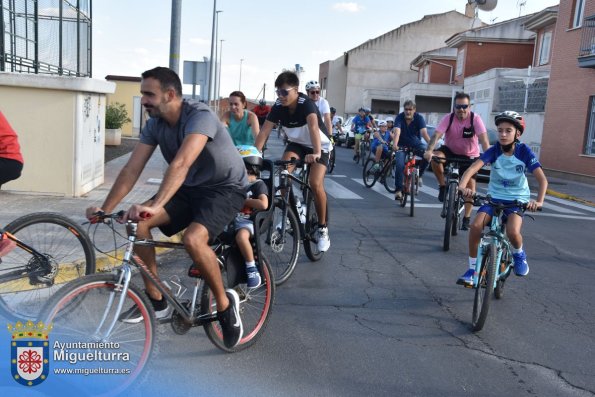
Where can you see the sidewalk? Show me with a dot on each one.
(566, 189)
(14, 205)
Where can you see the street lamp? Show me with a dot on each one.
(214, 59)
(219, 73)
(240, 86)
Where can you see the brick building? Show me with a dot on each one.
(568, 144)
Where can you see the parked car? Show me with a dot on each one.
(346, 138)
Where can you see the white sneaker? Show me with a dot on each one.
(324, 242)
(420, 181)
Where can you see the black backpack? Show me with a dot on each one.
(452, 116)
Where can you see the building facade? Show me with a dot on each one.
(373, 73)
(568, 144)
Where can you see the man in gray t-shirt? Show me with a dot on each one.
(202, 189)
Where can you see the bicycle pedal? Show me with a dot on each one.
(194, 272)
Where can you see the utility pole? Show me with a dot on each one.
(174, 40)
(212, 60)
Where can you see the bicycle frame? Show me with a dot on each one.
(285, 178)
(410, 169)
(495, 236)
(452, 182)
(125, 274)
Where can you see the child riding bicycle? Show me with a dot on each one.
(359, 125)
(509, 159)
(256, 199)
(380, 144)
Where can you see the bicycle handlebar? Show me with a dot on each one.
(462, 160)
(487, 199)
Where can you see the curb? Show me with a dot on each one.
(569, 197)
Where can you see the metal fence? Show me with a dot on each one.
(587, 46)
(521, 97)
(46, 37)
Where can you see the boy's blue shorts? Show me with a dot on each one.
(376, 144)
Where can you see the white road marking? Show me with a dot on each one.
(339, 191)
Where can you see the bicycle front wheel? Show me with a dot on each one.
(282, 250)
(28, 280)
(370, 175)
(450, 216)
(256, 305)
(331, 162)
(390, 180)
(86, 323)
(483, 289)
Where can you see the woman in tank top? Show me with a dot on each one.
(242, 124)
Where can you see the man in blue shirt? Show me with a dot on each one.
(410, 126)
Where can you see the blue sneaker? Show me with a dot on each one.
(254, 279)
(467, 278)
(521, 267)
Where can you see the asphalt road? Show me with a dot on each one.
(380, 314)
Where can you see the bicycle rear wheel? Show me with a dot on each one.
(448, 224)
(311, 239)
(369, 175)
(67, 254)
(412, 191)
(483, 289)
(82, 313)
(282, 251)
(256, 305)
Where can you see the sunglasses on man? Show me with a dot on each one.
(313, 92)
(283, 91)
(461, 106)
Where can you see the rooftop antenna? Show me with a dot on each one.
(520, 4)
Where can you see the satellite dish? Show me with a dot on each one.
(484, 5)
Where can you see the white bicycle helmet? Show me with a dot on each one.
(313, 84)
(381, 123)
(390, 119)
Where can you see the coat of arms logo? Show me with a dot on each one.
(29, 350)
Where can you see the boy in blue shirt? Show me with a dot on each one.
(509, 159)
(380, 143)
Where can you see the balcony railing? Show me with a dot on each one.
(586, 54)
